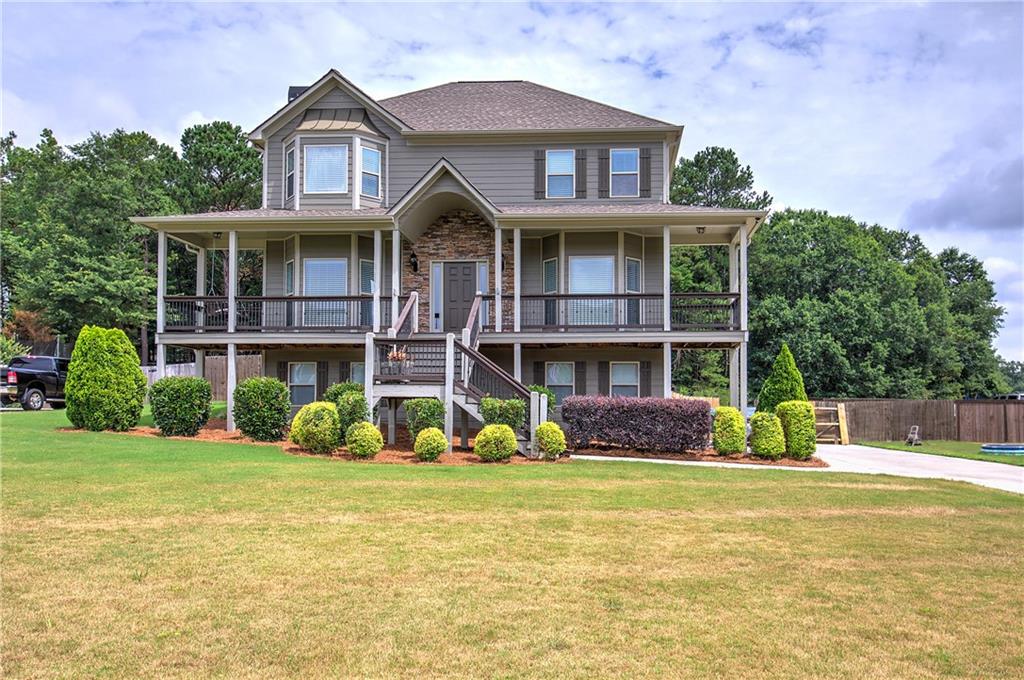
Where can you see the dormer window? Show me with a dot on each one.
(289, 174)
(326, 169)
(625, 172)
(561, 173)
(371, 172)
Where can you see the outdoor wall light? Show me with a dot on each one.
(700, 230)
(217, 235)
(414, 262)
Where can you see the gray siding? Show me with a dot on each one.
(531, 274)
(275, 268)
(335, 245)
(592, 356)
(652, 264)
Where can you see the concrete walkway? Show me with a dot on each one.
(875, 461)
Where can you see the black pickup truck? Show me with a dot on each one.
(34, 381)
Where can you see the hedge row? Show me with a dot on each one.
(645, 424)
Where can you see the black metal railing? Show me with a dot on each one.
(353, 313)
(195, 313)
(408, 360)
(704, 311)
(589, 312)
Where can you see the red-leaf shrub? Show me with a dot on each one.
(645, 423)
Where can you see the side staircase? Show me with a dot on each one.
(453, 370)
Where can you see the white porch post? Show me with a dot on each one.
(666, 369)
(517, 273)
(666, 278)
(161, 360)
(232, 278)
(200, 285)
(743, 375)
(200, 363)
(161, 278)
(497, 279)
(378, 256)
(744, 230)
(369, 368)
(232, 379)
(517, 361)
(449, 387)
(396, 271)
(734, 377)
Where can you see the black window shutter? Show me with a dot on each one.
(539, 178)
(602, 173)
(645, 378)
(321, 379)
(538, 372)
(603, 381)
(645, 172)
(344, 371)
(581, 378)
(581, 173)
(282, 371)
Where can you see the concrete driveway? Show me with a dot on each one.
(871, 460)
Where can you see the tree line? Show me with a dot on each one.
(867, 311)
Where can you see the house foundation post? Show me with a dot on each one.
(464, 430)
(517, 361)
(734, 377)
(666, 370)
(369, 368)
(200, 363)
(161, 360)
(742, 401)
(449, 387)
(232, 379)
(392, 420)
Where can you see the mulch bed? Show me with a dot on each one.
(706, 456)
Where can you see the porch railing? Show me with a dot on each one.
(195, 313)
(627, 312)
(705, 311)
(407, 360)
(350, 313)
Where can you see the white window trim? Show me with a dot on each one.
(612, 173)
(612, 384)
(364, 171)
(625, 272)
(543, 268)
(351, 370)
(305, 269)
(289, 284)
(373, 284)
(571, 258)
(548, 175)
(305, 169)
(284, 176)
(571, 384)
(290, 383)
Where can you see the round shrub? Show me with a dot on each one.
(730, 431)
(798, 427)
(766, 437)
(262, 407)
(423, 413)
(511, 412)
(495, 443)
(363, 440)
(334, 392)
(351, 409)
(105, 387)
(550, 440)
(315, 427)
(181, 405)
(430, 444)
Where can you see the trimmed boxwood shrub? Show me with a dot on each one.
(334, 392)
(105, 387)
(511, 412)
(730, 431)
(551, 397)
(363, 439)
(766, 437)
(495, 443)
(430, 444)
(181, 405)
(316, 427)
(262, 407)
(351, 409)
(644, 423)
(423, 413)
(784, 383)
(550, 440)
(798, 427)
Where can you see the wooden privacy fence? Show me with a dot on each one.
(215, 370)
(963, 420)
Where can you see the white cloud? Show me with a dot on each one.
(865, 109)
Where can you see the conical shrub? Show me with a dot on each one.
(784, 383)
(105, 386)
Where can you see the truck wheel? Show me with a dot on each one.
(33, 399)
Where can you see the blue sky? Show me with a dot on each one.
(909, 115)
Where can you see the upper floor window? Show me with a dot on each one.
(625, 171)
(289, 174)
(326, 169)
(561, 173)
(371, 172)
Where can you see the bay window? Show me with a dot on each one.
(370, 182)
(326, 169)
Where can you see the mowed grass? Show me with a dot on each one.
(139, 557)
(953, 449)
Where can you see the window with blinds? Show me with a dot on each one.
(559, 378)
(326, 169)
(371, 172)
(302, 383)
(593, 275)
(289, 173)
(633, 285)
(625, 172)
(625, 379)
(323, 277)
(561, 173)
(551, 276)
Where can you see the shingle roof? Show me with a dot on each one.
(507, 105)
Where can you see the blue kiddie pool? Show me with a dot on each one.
(1005, 449)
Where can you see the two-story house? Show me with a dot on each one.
(467, 239)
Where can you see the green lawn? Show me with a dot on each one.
(971, 450)
(140, 557)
